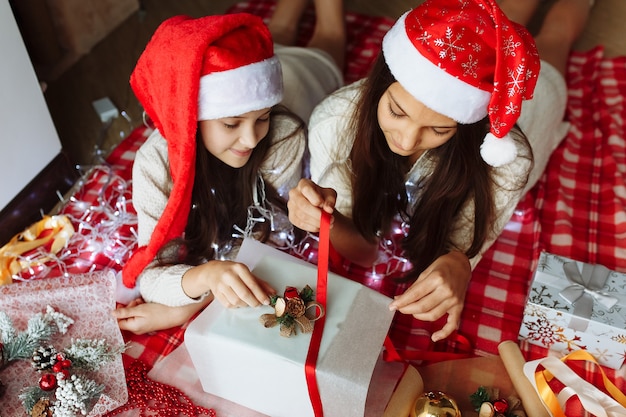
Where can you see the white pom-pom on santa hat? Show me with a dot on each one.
(498, 151)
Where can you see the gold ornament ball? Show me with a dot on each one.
(435, 404)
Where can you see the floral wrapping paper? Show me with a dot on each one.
(549, 319)
(88, 299)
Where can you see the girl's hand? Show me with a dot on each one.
(140, 317)
(306, 203)
(440, 289)
(231, 283)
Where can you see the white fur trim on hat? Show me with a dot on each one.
(429, 84)
(498, 151)
(234, 92)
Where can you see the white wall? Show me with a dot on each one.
(28, 138)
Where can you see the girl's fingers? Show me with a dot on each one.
(317, 196)
(246, 287)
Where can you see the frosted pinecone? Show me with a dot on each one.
(44, 357)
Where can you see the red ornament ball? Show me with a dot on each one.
(48, 382)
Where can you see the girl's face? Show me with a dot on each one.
(232, 139)
(411, 128)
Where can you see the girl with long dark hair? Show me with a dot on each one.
(435, 148)
(228, 145)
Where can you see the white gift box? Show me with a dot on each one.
(240, 360)
(551, 321)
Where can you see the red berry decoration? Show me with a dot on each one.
(48, 382)
(57, 367)
(291, 292)
(66, 363)
(501, 405)
(65, 373)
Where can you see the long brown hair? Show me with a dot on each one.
(220, 199)
(459, 174)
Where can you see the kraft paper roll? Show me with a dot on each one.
(514, 362)
(409, 388)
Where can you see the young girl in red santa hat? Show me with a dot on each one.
(434, 149)
(223, 156)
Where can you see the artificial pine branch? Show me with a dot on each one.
(91, 354)
(7, 331)
(479, 397)
(307, 294)
(40, 328)
(30, 396)
(75, 396)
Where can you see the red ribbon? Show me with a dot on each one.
(318, 329)
(392, 354)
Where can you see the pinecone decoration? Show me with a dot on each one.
(295, 307)
(44, 357)
(41, 408)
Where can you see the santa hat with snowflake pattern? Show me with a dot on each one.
(198, 69)
(466, 60)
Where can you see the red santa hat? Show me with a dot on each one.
(198, 69)
(466, 60)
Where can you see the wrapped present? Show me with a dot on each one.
(240, 360)
(573, 305)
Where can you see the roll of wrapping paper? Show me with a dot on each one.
(406, 392)
(513, 361)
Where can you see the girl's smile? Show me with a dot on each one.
(241, 154)
(232, 139)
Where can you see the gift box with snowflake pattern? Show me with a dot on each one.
(573, 305)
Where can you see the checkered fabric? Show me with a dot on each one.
(581, 199)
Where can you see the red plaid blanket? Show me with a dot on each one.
(576, 210)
